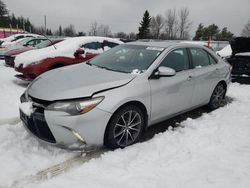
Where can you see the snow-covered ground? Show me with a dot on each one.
(210, 151)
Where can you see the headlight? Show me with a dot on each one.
(76, 107)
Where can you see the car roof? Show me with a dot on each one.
(165, 44)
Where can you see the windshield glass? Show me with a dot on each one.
(133, 59)
(42, 44)
(24, 40)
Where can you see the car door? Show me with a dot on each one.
(205, 75)
(171, 95)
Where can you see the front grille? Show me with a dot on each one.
(40, 101)
(9, 60)
(36, 123)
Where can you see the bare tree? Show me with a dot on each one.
(93, 29)
(185, 24)
(246, 30)
(156, 25)
(103, 30)
(171, 24)
(121, 35)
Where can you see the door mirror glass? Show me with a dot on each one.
(165, 71)
(79, 52)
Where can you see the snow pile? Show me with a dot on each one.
(66, 48)
(22, 155)
(225, 52)
(211, 151)
(10, 92)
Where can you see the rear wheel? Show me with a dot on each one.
(125, 127)
(217, 97)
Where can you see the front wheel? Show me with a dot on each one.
(217, 97)
(125, 127)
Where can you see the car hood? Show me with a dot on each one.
(18, 51)
(240, 45)
(76, 81)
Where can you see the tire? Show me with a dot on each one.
(125, 127)
(217, 97)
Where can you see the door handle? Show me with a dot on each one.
(189, 78)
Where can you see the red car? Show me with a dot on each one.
(71, 51)
(9, 56)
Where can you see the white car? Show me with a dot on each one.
(114, 97)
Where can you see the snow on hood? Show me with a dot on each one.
(65, 48)
(225, 52)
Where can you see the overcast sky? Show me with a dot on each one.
(125, 15)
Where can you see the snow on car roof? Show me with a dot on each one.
(65, 48)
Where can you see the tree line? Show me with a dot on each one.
(174, 24)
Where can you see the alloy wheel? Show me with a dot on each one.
(127, 128)
(218, 96)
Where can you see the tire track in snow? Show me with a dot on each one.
(58, 169)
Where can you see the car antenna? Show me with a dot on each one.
(49, 40)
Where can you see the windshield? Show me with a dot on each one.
(127, 58)
(42, 44)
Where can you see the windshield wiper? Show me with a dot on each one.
(88, 63)
(115, 70)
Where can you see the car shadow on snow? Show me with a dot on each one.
(176, 121)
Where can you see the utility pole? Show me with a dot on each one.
(45, 26)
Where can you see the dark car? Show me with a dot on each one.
(240, 58)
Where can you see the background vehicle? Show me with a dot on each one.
(240, 58)
(38, 43)
(71, 51)
(20, 43)
(13, 38)
(114, 97)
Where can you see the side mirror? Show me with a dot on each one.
(79, 52)
(165, 72)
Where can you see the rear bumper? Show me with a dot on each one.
(241, 65)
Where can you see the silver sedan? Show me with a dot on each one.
(113, 98)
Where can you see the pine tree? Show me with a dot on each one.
(199, 32)
(4, 15)
(144, 26)
(60, 30)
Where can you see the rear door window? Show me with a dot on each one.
(199, 57)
